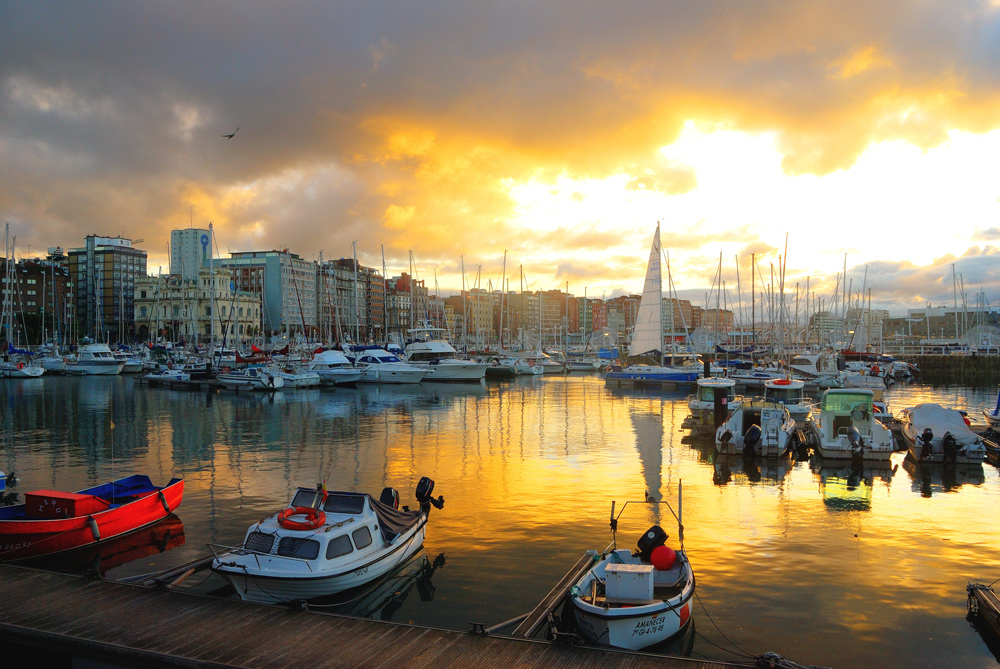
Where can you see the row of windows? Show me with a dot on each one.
(308, 549)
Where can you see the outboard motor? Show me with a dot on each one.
(857, 444)
(926, 437)
(425, 488)
(750, 441)
(654, 537)
(389, 497)
(950, 447)
(726, 437)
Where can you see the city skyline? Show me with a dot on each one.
(559, 135)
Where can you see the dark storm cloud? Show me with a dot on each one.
(400, 124)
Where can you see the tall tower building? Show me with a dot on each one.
(103, 273)
(189, 249)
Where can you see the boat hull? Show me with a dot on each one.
(459, 372)
(635, 632)
(33, 537)
(256, 587)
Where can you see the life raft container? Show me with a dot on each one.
(314, 518)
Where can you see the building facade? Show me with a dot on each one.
(104, 272)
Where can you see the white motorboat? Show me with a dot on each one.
(756, 427)
(934, 433)
(702, 403)
(379, 366)
(256, 378)
(845, 426)
(131, 364)
(334, 368)
(53, 364)
(325, 543)
(584, 365)
(21, 368)
(95, 358)
(295, 376)
(635, 600)
(430, 350)
(790, 393)
(523, 366)
(168, 374)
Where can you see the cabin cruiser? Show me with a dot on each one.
(334, 368)
(294, 375)
(702, 403)
(429, 350)
(167, 374)
(95, 358)
(845, 426)
(379, 366)
(790, 393)
(325, 543)
(934, 433)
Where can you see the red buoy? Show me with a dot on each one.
(663, 557)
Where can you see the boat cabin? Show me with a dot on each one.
(844, 407)
(707, 388)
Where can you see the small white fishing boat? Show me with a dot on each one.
(790, 393)
(325, 543)
(845, 426)
(935, 433)
(295, 376)
(168, 374)
(635, 600)
(702, 403)
(756, 427)
(256, 378)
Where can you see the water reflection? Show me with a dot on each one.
(848, 486)
(102, 558)
(529, 469)
(738, 469)
(929, 478)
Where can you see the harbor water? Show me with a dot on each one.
(823, 565)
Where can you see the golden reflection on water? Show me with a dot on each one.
(818, 562)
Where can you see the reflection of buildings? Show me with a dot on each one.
(737, 469)
(928, 478)
(849, 488)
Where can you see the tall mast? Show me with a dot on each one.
(357, 307)
(385, 302)
(211, 281)
(465, 325)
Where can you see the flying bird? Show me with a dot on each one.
(233, 133)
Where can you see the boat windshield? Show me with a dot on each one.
(348, 504)
(706, 394)
(846, 402)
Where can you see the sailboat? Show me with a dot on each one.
(647, 338)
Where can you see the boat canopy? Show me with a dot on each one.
(940, 420)
(846, 402)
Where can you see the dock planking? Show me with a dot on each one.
(154, 627)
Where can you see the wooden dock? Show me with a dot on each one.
(132, 625)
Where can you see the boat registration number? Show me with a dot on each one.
(14, 547)
(648, 627)
(361, 572)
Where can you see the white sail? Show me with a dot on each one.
(647, 335)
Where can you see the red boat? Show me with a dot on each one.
(51, 522)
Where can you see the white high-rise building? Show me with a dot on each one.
(189, 251)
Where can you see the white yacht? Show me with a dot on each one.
(430, 350)
(295, 375)
(256, 378)
(334, 368)
(845, 426)
(379, 366)
(95, 359)
(21, 368)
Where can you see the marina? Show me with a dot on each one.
(529, 468)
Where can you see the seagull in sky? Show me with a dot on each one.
(233, 133)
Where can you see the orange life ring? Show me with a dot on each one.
(782, 382)
(20, 365)
(314, 518)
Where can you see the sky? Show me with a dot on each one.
(556, 133)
